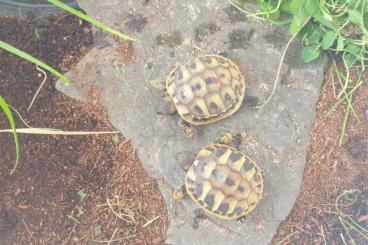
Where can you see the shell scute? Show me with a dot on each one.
(213, 79)
(231, 183)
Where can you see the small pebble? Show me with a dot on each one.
(366, 113)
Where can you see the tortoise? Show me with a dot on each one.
(204, 90)
(223, 181)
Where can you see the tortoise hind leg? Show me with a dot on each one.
(186, 128)
(241, 219)
(166, 106)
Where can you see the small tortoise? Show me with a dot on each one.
(204, 90)
(224, 182)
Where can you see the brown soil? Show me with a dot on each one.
(39, 203)
(331, 169)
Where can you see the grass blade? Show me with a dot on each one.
(4, 106)
(347, 98)
(345, 219)
(32, 59)
(345, 123)
(333, 109)
(286, 238)
(19, 116)
(90, 19)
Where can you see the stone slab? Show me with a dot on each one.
(168, 33)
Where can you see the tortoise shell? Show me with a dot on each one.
(206, 89)
(224, 182)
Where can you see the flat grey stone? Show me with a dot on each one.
(169, 32)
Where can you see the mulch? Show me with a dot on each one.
(331, 170)
(67, 189)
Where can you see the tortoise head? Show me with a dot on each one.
(185, 159)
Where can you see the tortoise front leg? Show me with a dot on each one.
(179, 194)
(230, 139)
(166, 106)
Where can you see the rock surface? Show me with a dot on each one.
(168, 32)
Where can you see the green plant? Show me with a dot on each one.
(32, 59)
(90, 19)
(333, 25)
(5, 107)
(82, 195)
(347, 222)
(76, 219)
(338, 27)
(348, 88)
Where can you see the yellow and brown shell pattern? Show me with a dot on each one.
(224, 182)
(206, 89)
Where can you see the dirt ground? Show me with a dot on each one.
(68, 189)
(331, 169)
(80, 189)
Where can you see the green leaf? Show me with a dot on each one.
(356, 17)
(300, 15)
(274, 16)
(4, 106)
(329, 39)
(309, 54)
(307, 30)
(315, 37)
(312, 8)
(349, 59)
(294, 27)
(82, 195)
(321, 19)
(32, 59)
(266, 6)
(340, 44)
(287, 6)
(353, 49)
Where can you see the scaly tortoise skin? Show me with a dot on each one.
(206, 89)
(224, 182)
